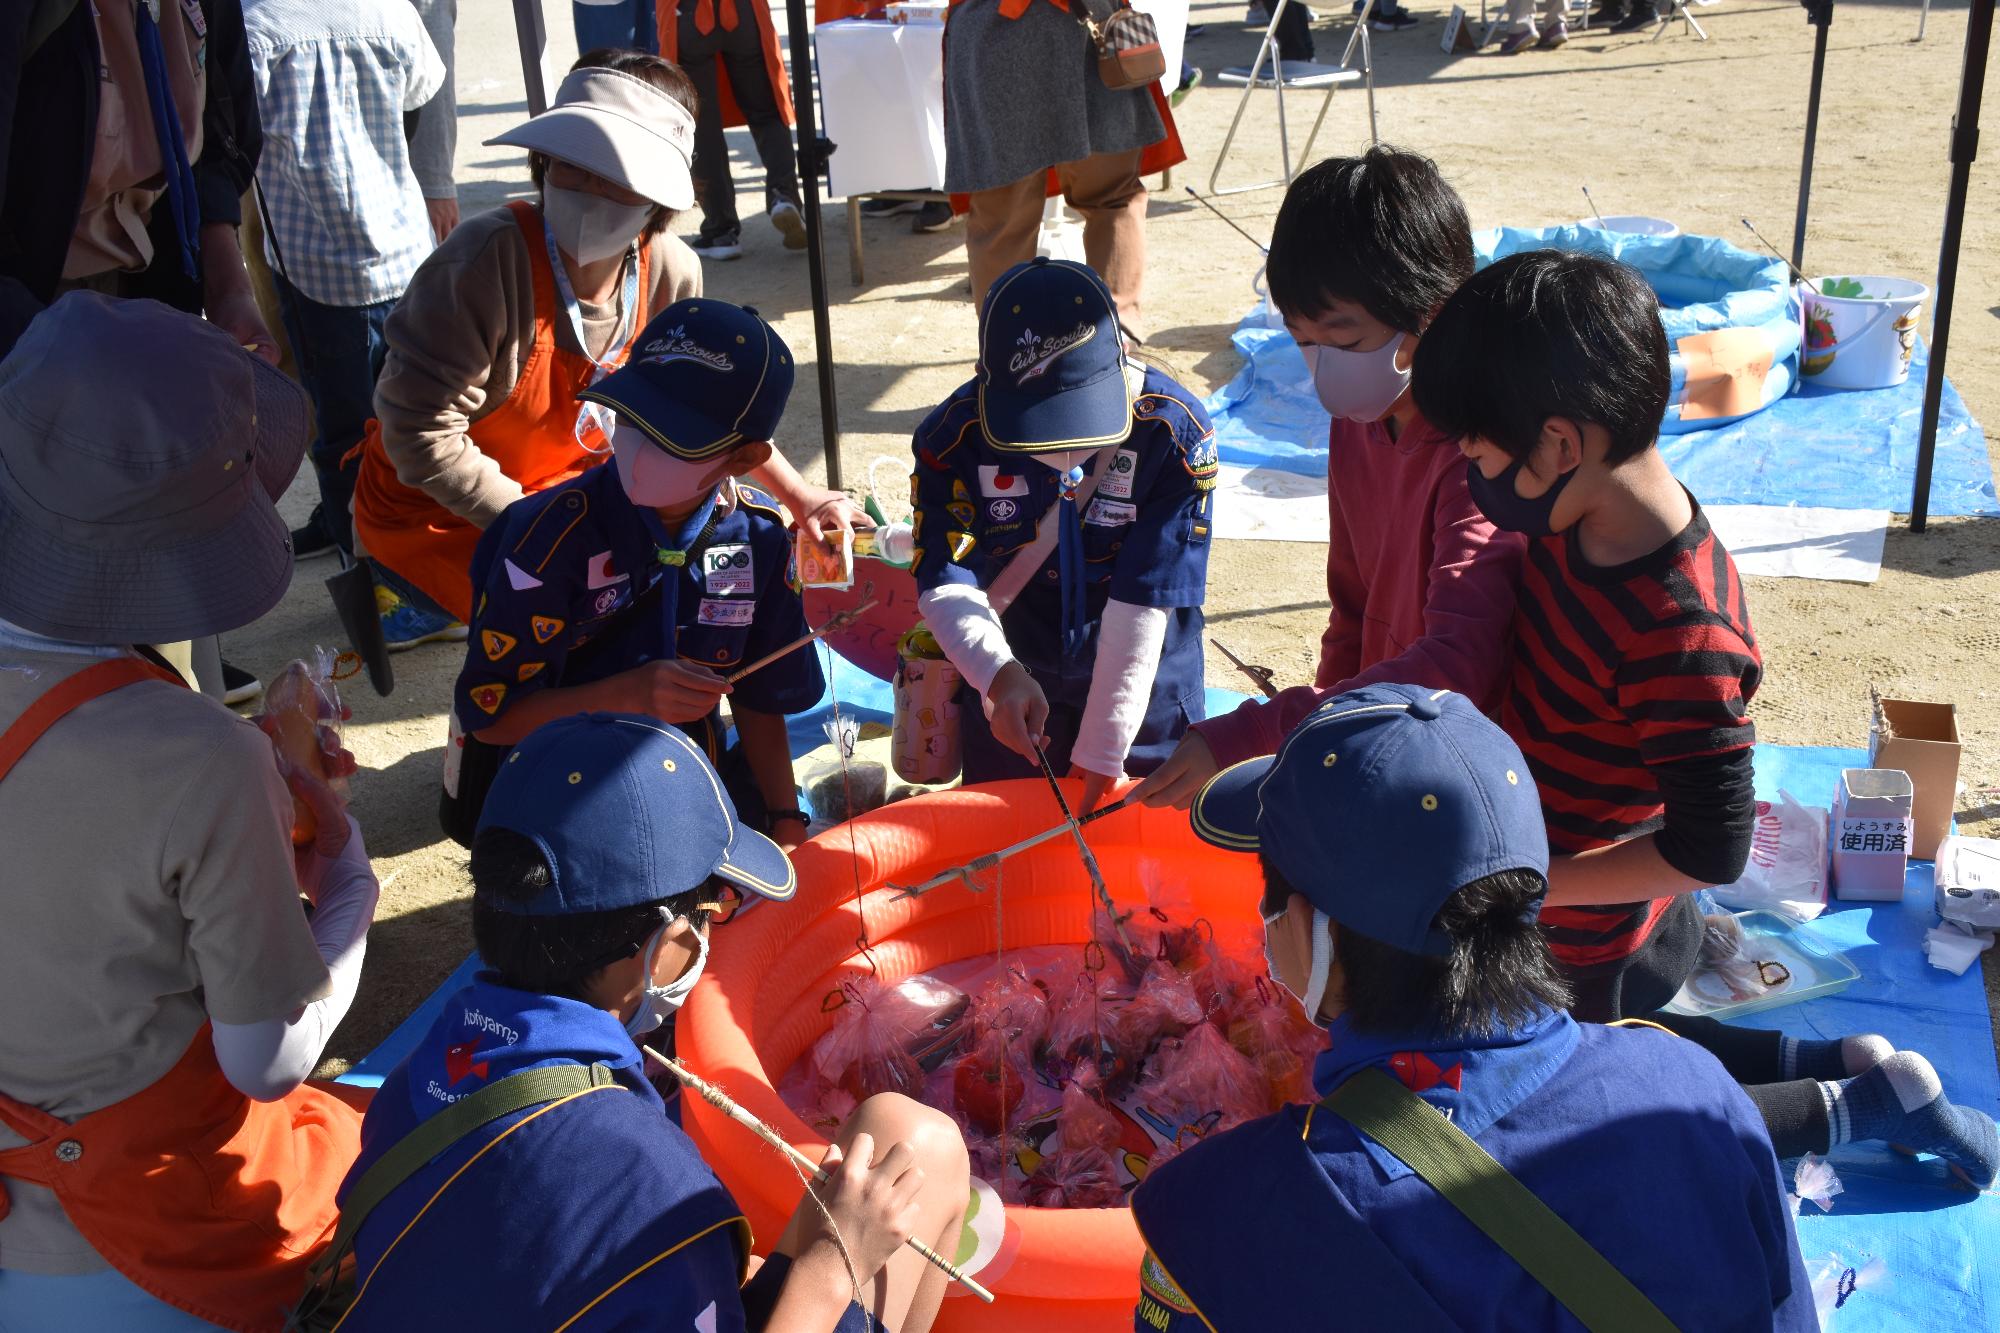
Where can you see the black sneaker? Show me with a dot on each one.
(313, 538)
(935, 215)
(729, 245)
(1642, 16)
(1395, 22)
(889, 208)
(238, 685)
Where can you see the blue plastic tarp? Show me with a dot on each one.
(1829, 447)
(1912, 1215)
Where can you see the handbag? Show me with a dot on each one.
(1548, 1248)
(1128, 44)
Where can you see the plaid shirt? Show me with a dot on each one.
(334, 81)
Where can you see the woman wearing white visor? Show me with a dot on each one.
(511, 317)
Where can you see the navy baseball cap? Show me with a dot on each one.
(1051, 360)
(705, 377)
(626, 810)
(1380, 806)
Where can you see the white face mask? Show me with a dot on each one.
(1322, 963)
(660, 1002)
(590, 227)
(654, 478)
(1360, 386)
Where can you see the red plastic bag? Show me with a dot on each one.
(869, 1048)
(1012, 1005)
(1076, 1178)
(1267, 1031)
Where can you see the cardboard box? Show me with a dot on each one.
(1871, 834)
(1922, 740)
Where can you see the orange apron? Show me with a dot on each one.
(532, 436)
(210, 1201)
(727, 14)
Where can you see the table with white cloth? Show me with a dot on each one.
(881, 91)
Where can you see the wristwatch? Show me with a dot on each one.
(772, 818)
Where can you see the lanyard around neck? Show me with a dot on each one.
(594, 421)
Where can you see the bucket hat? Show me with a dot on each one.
(141, 454)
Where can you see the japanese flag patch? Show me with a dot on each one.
(995, 486)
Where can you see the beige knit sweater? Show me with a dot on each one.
(456, 341)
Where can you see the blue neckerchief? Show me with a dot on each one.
(1069, 560)
(488, 1031)
(603, 417)
(182, 205)
(671, 551)
(1473, 1081)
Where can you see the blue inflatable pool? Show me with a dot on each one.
(1704, 284)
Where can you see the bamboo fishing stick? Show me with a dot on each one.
(979, 865)
(728, 1105)
(840, 620)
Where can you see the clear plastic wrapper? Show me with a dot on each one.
(882, 1034)
(1200, 1079)
(990, 1084)
(1086, 1120)
(1015, 1005)
(1076, 1178)
(303, 715)
(1272, 1035)
(1815, 1182)
(1164, 1005)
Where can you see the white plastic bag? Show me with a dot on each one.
(1787, 868)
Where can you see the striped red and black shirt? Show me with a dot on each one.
(1617, 669)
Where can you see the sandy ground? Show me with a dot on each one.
(1703, 132)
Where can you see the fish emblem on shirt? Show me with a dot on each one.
(1419, 1073)
(459, 1064)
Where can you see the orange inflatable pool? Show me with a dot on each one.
(759, 1008)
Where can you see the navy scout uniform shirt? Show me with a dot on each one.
(576, 584)
(1145, 538)
(1636, 1138)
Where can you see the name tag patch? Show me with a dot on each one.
(716, 611)
(1110, 513)
(1118, 475)
(728, 569)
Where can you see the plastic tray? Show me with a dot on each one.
(1815, 970)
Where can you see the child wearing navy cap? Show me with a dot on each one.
(1062, 529)
(607, 849)
(638, 587)
(1404, 866)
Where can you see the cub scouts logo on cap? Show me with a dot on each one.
(1033, 355)
(675, 345)
(488, 698)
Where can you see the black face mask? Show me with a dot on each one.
(1506, 509)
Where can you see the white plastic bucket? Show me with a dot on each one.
(1632, 224)
(1859, 332)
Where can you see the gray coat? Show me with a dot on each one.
(1022, 95)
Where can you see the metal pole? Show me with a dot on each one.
(533, 36)
(1819, 13)
(812, 154)
(1964, 148)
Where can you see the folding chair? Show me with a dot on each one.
(1679, 11)
(1283, 74)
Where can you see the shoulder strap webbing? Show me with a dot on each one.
(1601, 1297)
(70, 694)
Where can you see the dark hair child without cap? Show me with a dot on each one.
(1420, 588)
(1633, 667)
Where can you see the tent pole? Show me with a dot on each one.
(532, 35)
(812, 154)
(1819, 13)
(1964, 147)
